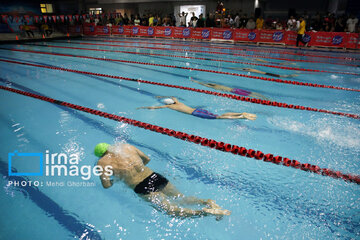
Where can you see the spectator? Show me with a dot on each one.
(251, 24)
(351, 23)
(243, 21)
(126, 19)
(137, 21)
(237, 21)
(151, 20)
(291, 24)
(259, 23)
(301, 32)
(340, 24)
(210, 21)
(27, 29)
(193, 20)
(46, 30)
(183, 19)
(201, 21)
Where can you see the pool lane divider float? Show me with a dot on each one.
(196, 58)
(221, 146)
(226, 95)
(277, 80)
(211, 52)
(228, 48)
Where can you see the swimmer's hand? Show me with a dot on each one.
(249, 116)
(145, 108)
(290, 75)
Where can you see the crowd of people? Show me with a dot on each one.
(327, 22)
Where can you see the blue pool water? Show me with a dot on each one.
(267, 201)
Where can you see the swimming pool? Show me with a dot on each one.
(267, 201)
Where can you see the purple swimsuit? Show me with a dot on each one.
(239, 91)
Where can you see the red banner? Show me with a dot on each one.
(62, 17)
(142, 31)
(181, 32)
(102, 30)
(54, 18)
(75, 29)
(272, 36)
(201, 33)
(353, 40)
(27, 18)
(70, 17)
(222, 33)
(122, 30)
(89, 28)
(329, 39)
(164, 32)
(246, 35)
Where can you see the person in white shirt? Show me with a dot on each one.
(183, 19)
(351, 23)
(291, 24)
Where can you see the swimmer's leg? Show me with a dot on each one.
(171, 191)
(258, 95)
(231, 115)
(161, 201)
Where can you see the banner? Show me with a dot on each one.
(328, 39)
(163, 31)
(142, 31)
(4, 18)
(62, 17)
(353, 40)
(246, 35)
(122, 30)
(272, 36)
(201, 33)
(89, 28)
(102, 30)
(222, 33)
(75, 29)
(181, 32)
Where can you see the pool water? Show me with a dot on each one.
(267, 201)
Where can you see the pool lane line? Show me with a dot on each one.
(230, 96)
(228, 48)
(211, 52)
(197, 58)
(277, 80)
(221, 146)
(52, 208)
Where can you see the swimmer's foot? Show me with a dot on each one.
(217, 212)
(249, 116)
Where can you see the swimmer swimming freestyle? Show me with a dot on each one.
(237, 91)
(174, 104)
(129, 164)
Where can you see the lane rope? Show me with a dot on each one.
(226, 95)
(229, 48)
(277, 80)
(200, 58)
(212, 52)
(221, 146)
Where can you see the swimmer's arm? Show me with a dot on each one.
(143, 156)
(105, 180)
(201, 83)
(157, 107)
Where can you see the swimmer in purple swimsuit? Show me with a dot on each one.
(237, 91)
(174, 104)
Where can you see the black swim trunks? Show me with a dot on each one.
(153, 183)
